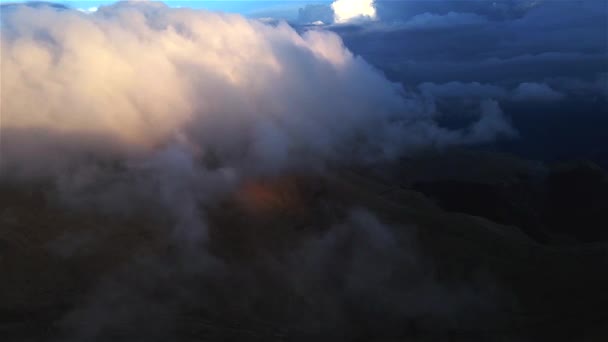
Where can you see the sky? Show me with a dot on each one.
(282, 9)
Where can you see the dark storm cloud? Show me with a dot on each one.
(391, 11)
(462, 90)
(493, 10)
(430, 21)
(536, 92)
(594, 88)
(506, 42)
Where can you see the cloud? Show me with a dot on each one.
(346, 11)
(462, 90)
(427, 22)
(140, 110)
(314, 13)
(595, 86)
(528, 91)
(88, 10)
(512, 41)
(339, 12)
(359, 268)
(34, 4)
(513, 70)
(134, 78)
(501, 10)
(492, 120)
(430, 21)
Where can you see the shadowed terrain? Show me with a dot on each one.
(344, 254)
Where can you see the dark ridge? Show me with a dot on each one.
(570, 202)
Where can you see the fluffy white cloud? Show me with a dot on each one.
(352, 10)
(88, 10)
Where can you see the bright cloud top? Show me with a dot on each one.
(351, 10)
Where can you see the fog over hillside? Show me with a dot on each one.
(179, 174)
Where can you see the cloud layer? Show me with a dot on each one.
(134, 78)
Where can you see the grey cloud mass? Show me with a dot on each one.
(429, 21)
(530, 56)
(536, 92)
(462, 90)
(527, 42)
